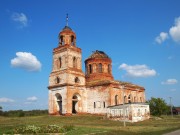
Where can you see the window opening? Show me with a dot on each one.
(76, 80)
(109, 68)
(74, 62)
(57, 80)
(60, 62)
(116, 99)
(100, 68)
(90, 68)
(104, 104)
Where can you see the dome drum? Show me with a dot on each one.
(98, 67)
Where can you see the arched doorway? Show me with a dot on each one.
(75, 103)
(59, 103)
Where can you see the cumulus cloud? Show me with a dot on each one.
(21, 18)
(6, 100)
(175, 30)
(162, 37)
(27, 61)
(32, 99)
(169, 81)
(137, 70)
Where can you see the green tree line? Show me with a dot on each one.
(21, 113)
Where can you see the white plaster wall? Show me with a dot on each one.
(53, 101)
(62, 77)
(138, 112)
(99, 97)
(71, 79)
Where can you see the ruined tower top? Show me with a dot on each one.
(67, 36)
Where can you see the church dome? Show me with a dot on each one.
(98, 67)
(98, 54)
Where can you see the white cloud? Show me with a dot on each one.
(27, 61)
(175, 30)
(137, 70)
(170, 81)
(32, 99)
(6, 100)
(162, 37)
(20, 18)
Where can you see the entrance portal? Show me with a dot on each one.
(75, 104)
(59, 103)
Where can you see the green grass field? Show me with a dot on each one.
(89, 124)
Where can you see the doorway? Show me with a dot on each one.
(75, 103)
(59, 103)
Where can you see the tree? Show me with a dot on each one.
(158, 106)
(0, 110)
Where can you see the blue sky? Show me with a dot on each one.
(141, 37)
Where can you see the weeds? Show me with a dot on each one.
(48, 129)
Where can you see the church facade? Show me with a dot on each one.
(71, 91)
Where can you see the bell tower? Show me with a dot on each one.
(67, 61)
(66, 75)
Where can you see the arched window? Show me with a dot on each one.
(57, 80)
(94, 104)
(60, 62)
(72, 40)
(134, 99)
(90, 69)
(62, 40)
(140, 99)
(76, 80)
(100, 68)
(74, 62)
(129, 99)
(116, 99)
(109, 68)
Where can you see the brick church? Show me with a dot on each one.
(71, 91)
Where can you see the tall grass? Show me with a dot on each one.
(86, 124)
